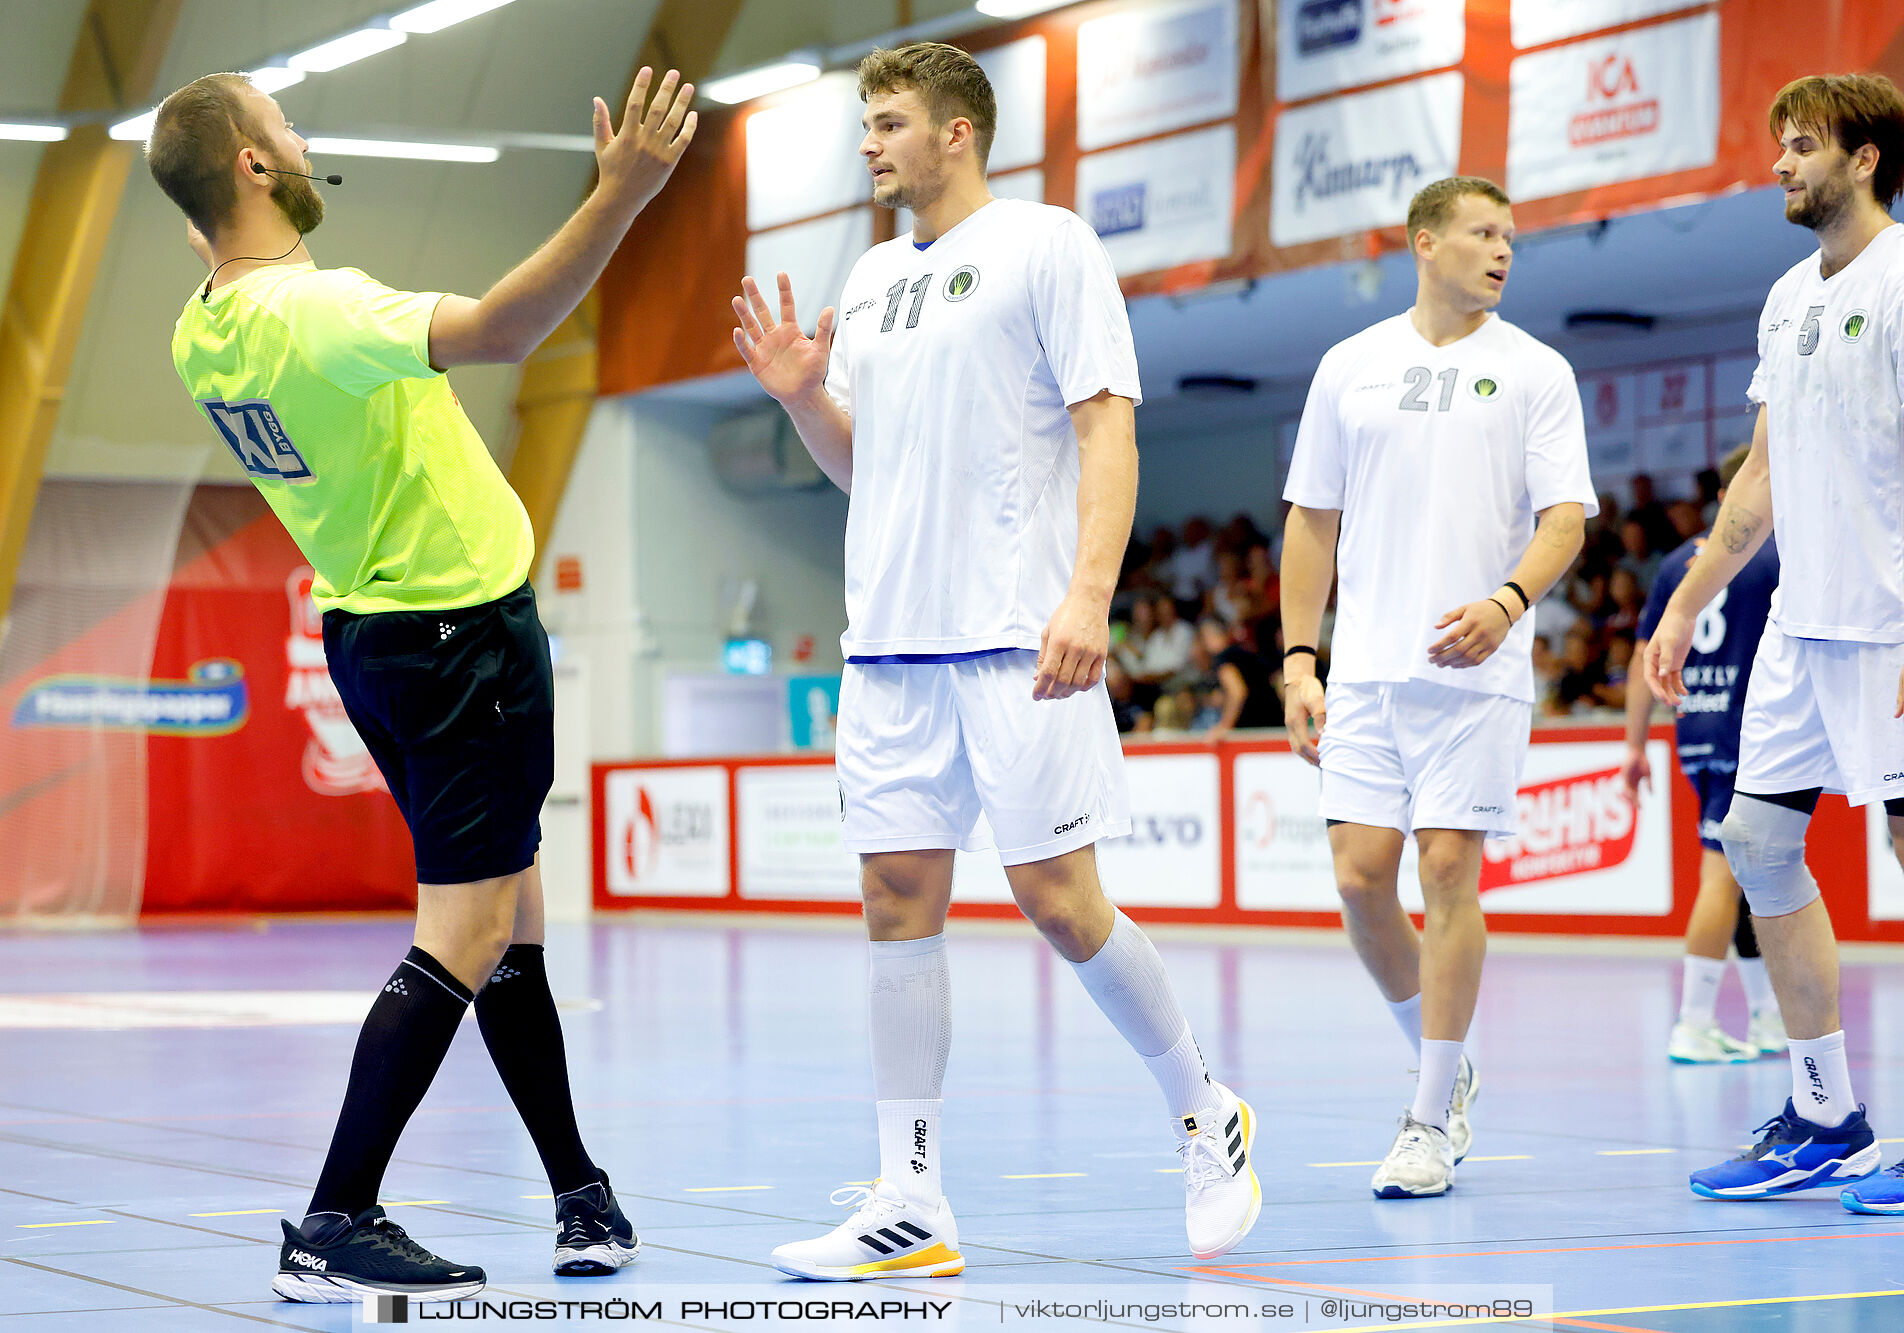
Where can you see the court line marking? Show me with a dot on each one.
(412, 1203)
(153, 1295)
(722, 1189)
(93, 1222)
(1576, 1249)
(1046, 1175)
(537, 1196)
(1634, 1152)
(238, 1212)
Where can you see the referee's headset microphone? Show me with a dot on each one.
(262, 170)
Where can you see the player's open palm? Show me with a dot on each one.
(788, 364)
(636, 160)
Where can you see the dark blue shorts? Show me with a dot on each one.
(1714, 789)
(458, 710)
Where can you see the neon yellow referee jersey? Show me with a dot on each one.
(319, 382)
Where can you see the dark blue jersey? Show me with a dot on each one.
(1724, 641)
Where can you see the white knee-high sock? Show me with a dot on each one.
(1127, 979)
(911, 998)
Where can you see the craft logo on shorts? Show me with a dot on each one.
(1568, 826)
(1323, 25)
(1485, 390)
(1854, 325)
(961, 283)
(1119, 210)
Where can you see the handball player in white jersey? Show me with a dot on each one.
(1445, 449)
(1825, 706)
(974, 397)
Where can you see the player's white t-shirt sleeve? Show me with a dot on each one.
(1761, 377)
(838, 388)
(1318, 468)
(1079, 311)
(1556, 435)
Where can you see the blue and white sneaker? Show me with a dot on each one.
(1794, 1154)
(1880, 1194)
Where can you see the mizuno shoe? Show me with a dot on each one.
(1221, 1194)
(1467, 1086)
(592, 1236)
(371, 1256)
(1420, 1163)
(1881, 1194)
(888, 1235)
(1691, 1045)
(1794, 1154)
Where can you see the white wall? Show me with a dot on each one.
(1213, 472)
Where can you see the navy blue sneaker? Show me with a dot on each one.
(367, 1255)
(1794, 1154)
(592, 1235)
(1881, 1194)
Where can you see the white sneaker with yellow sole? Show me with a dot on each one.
(888, 1235)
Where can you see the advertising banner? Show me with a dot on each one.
(1537, 22)
(803, 153)
(1351, 163)
(1017, 74)
(1174, 855)
(666, 832)
(1323, 46)
(1151, 70)
(787, 821)
(1159, 204)
(1620, 108)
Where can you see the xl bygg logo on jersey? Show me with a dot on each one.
(257, 439)
(1568, 826)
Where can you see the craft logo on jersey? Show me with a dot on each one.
(257, 439)
(961, 283)
(1854, 326)
(1616, 106)
(1568, 826)
(1485, 389)
(1322, 25)
(1120, 209)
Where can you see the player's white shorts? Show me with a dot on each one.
(923, 750)
(1818, 714)
(1413, 754)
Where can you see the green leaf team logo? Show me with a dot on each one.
(961, 283)
(1484, 389)
(1854, 326)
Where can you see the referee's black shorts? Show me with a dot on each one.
(458, 710)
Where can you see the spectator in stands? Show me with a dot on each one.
(1239, 534)
(1230, 600)
(1709, 483)
(1661, 535)
(1192, 569)
(1583, 682)
(1619, 661)
(1686, 519)
(1244, 695)
(1547, 673)
(1166, 648)
(1637, 555)
(1124, 709)
(1260, 569)
(1627, 598)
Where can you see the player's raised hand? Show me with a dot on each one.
(1666, 654)
(1303, 704)
(636, 160)
(1478, 629)
(788, 364)
(1073, 648)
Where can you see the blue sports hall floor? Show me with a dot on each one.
(167, 1094)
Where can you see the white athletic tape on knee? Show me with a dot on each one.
(1765, 846)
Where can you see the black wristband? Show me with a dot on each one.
(1504, 611)
(1525, 604)
(1299, 648)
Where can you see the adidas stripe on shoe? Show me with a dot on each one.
(1222, 1196)
(887, 1236)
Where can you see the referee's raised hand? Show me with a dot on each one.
(636, 160)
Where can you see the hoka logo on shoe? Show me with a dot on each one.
(310, 1261)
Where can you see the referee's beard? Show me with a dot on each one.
(299, 201)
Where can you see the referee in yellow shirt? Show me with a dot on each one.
(328, 388)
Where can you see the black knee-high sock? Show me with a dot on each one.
(524, 1036)
(404, 1039)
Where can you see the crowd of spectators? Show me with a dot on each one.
(1196, 637)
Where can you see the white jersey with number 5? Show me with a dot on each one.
(1831, 376)
(957, 364)
(1438, 458)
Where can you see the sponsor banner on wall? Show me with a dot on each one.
(1173, 857)
(1326, 45)
(1017, 74)
(1537, 22)
(1582, 848)
(1620, 108)
(1159, 204)
(787, 823)
(1155, 69)
(803, 154)
(667, 832)
(1886, 880)
(1351, 163)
